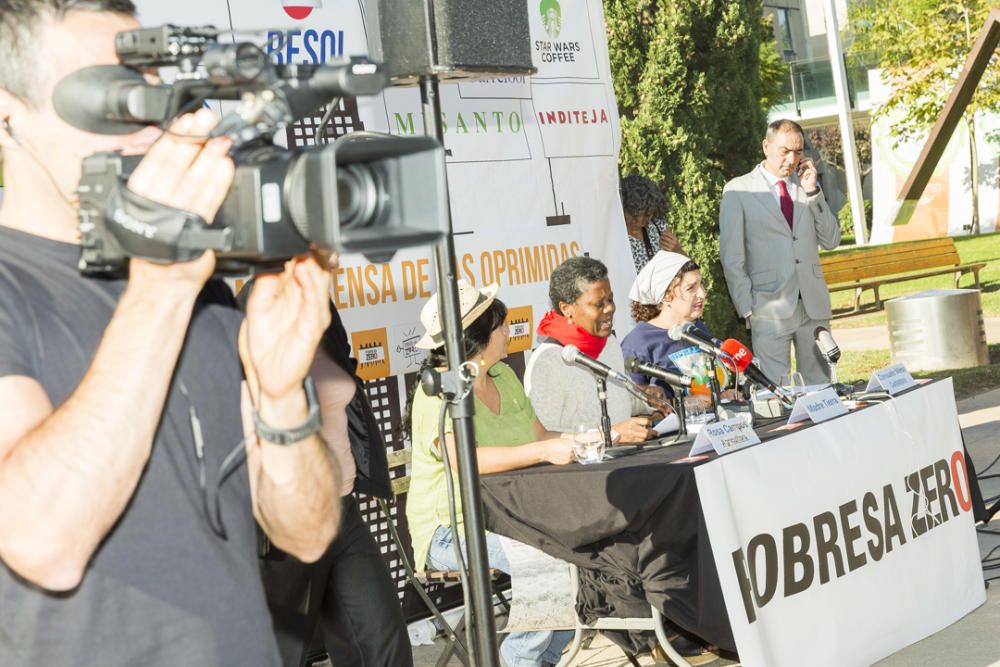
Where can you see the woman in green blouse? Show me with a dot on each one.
(508, 436)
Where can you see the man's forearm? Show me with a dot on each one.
(65, 483)
(296, 491)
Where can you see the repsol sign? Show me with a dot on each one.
(841, 540)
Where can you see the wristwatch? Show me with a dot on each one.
(814, 192)
(288, 436)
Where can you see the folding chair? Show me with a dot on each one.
(420, 580)
(654, 623)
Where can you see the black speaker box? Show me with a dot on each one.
(451, 39)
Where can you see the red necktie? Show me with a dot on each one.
(785, 200)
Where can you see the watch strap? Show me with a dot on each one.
(288, 436)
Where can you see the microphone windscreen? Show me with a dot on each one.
(740, 353)
(630, 364)
(675, 331)
(828, 346)
(570, 353)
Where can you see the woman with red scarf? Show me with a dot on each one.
(564, 395)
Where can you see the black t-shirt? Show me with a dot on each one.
(162, 588)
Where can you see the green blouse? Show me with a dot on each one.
(427, 500)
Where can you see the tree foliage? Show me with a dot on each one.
(692, 78)
(827, 140)
(922, 46)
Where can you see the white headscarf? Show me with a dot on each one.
(652, 282)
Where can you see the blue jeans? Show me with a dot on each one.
(519, 649)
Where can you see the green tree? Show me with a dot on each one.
(922, 46)
(691, 78)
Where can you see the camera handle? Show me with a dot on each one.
(134, 226)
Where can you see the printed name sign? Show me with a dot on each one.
(892, 379)
(724, 436)
(817, 406)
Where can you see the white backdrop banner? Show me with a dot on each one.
(844, 542)
(533, 164)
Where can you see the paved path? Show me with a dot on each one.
(877, 338)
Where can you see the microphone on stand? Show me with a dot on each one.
(830, 351)
(571, 354)
(634, 365)
(741, 358)
(687, 331)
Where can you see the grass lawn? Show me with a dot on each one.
(856, 366)
(982, 248)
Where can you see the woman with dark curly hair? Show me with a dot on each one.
(645, 219)
(667, 292)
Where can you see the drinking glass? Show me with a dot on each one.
(588, 444)
(695, 410)
(794, 383)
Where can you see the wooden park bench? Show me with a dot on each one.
(870, 267)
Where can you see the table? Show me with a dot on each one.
(633, 525)
(637, 525)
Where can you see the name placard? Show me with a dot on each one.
(724, 436)
(892, 379)
(817, 406)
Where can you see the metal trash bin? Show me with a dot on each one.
(937, 329)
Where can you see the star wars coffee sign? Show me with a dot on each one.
(451, 39)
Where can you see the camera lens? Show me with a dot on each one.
(359, 195)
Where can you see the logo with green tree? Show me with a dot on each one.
(551, 17)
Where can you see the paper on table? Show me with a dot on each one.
(668, 424)
(542, 595)
(764, 394)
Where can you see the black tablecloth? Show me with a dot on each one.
(633, 525)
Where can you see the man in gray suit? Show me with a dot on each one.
(771, 221)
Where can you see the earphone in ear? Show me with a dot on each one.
(9, 130)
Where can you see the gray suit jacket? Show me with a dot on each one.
(768, 265)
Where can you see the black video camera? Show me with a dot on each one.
(366, 193)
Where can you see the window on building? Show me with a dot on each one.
(783, 28)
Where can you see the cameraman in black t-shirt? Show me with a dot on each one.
(127, 494)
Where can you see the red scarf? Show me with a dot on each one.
(556, 326)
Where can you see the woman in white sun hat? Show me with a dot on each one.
(508, 436)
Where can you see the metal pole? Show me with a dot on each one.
(484, 647)
(846, 123)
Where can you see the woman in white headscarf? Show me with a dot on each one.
(668, 291)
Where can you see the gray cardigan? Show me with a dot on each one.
(565, 395)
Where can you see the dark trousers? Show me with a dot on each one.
(349, 589)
